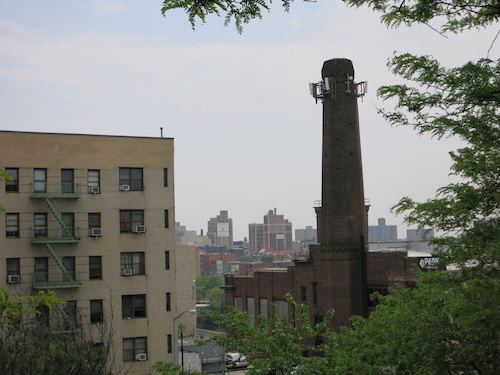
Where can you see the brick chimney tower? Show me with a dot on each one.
(342, 222)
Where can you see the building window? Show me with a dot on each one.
(303, 294)
(165, 177)
(169, 343)
(95, 268)
(166, 219)
(134, 306)
(134, 346)
(238, 303)
(131, 177)
(13, 267)
(94, 180)
(40, 224)
(263, 307)
(12, 185)
(168, 301)
(67, 181)
(43, 315)
(96, 311)
(41, 269)
(130, 219)
(132, 264)
(40, 180)
(94, 224)
(251, 309)
(12, 225)
(70, 266)
(167, 260)
(281, 307)
(315, 291)
(70, 320)
(69, 223)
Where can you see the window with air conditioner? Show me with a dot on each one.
(131, 177)
(133, 347)
(131, 220)
(94, 220)
(127, 272)
(132, 263)
(94, 181)
(13, 270)
(13, 279)
(139, 229)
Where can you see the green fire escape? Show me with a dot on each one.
(50, 238)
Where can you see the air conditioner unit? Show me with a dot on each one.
(141, 357)
(127, 272)
(139, 229)
(96, 232)
(124, 187)
(94, 189)
(13, 279)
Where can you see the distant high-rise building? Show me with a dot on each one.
(220, 230)
(184, 237)
(309, 234)
(275, 233)
(419, 234)
(382, 232)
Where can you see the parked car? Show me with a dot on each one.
(236, 360)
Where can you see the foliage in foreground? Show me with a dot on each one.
(205, 283)
(27, 346)
(168, 368)
(274, 342)
(457, 15)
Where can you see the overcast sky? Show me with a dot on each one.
(247, 132)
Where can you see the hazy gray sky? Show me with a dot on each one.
(247, 133)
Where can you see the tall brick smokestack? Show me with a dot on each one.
(342, 221)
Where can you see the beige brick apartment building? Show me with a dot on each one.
(92, 217)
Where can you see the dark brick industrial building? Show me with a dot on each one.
(340, 273)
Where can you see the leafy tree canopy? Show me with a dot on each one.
(274, 344)
(28, 346)
(12, 310)
(206, 283)
(463, 102)
(241, 11)
(456, 16)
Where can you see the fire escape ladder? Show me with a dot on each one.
(69, 324)
(67, 275)
(56, 211)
